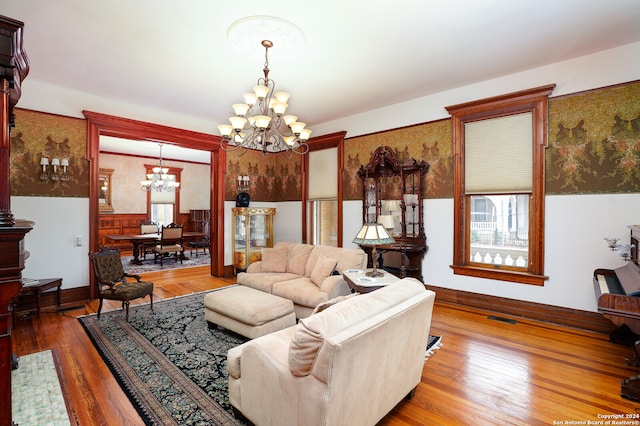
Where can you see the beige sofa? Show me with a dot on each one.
(351, 363)
(303, 273)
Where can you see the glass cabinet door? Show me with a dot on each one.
(240, 231)
(252, 231)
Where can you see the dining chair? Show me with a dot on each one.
(147, 247)
(113, 283)
(170, 242)
(203, 244)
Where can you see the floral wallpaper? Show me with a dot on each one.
(272, 177)
(594, 147)
(594, 142)
(430, 142)
(37, 134)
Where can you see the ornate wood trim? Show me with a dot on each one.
(316, 144)
(586, 320)
(103, 124)
(531, 100)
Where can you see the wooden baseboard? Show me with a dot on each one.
(68, 297)
(585, 320)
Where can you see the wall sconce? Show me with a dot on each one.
(624, 250)
(54, 171)
(243, 183)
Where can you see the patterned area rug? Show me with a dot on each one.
(433, 343)
(149, 266)
(170, 364)
(36, 396)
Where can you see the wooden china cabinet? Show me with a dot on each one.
(394, 190)
(14, 67)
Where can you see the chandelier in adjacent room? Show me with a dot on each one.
(261, 124)
(160, 179)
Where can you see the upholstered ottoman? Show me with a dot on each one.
(244, 310)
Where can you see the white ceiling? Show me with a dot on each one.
(359, 55)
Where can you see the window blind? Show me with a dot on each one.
(323, 174)
(499, 155)
(164, 197)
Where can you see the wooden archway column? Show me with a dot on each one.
(108, 125)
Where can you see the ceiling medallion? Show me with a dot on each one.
(246, 33)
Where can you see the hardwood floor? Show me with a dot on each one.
(487, 372)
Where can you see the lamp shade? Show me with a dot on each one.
(372, 234)
(386, 220)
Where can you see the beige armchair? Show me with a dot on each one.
(350, 364)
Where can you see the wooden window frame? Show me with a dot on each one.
(532, 100)
(322, 142)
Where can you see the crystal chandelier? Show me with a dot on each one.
(160, 180)
(268, 130)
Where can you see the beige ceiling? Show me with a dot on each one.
(359, 55)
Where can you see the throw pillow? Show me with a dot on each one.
(297, 258)
(322, 269)
(274, 259)
(329, 303)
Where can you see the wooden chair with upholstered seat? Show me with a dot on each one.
(112, 280)
(204, 243)
(170, 242)
(147, 247)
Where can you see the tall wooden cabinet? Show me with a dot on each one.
(199, 220)
(252, 231)
(14, 67)
(395, 189)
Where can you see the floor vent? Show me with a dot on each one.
(501, 319)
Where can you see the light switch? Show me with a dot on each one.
(78, 240)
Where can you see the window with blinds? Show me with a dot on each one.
(322, 201)
(499, 186)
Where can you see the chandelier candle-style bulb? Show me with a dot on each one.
(225, 130)
(250, 99)
(261, 91)
(262, 121)
(279, 108)
(305, 134)
(289, 119)
(281, 97)
(297, 128)
(237, 123)
(240, 109)
(269, 129)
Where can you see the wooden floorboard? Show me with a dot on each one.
(487, 371)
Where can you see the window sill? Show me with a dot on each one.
(501, 275)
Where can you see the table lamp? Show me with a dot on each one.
(373, 234)
(387, 221)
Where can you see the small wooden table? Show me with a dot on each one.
(359, 282)
(38, 287)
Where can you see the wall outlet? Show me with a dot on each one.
(78, 241)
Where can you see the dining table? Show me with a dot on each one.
(138, 239)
